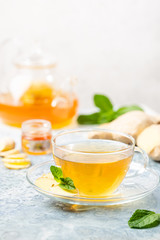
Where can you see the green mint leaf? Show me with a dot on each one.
(105, 117)
(126, 109)
(57, 173)
(67, 184)
(103, 102)
(140, 213)
(144, 219)
(96, 118)
(106, 113)
(64, 183)
(149, 221)
(89, 119)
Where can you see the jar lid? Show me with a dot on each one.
(36, 127)
(35, 58)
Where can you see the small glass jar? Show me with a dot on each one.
(36, 136)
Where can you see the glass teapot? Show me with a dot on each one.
(30, 89)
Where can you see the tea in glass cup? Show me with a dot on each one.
(97, 166)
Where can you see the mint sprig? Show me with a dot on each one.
(106, 111)
(67, 184)
(57, 173)
(102, 102)
(64, 183)
(144, 219)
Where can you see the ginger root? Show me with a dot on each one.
(143, 127)
(132, 123)
(149, 140)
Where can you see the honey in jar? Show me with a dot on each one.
(36, 137)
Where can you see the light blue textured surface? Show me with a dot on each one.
(27, 215)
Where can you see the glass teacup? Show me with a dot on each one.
(97, 160)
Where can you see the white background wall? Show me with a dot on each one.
(113, 46)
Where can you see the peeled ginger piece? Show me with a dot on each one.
(149, 140)
(6, 144)
(132, 123)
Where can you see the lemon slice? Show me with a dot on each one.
(16, 161)
(48, 183)
(16, 166)
(60, 191)
(45, 183)
(17, 156)
(50, 176)
(9, 152)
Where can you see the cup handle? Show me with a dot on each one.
(144, 155)
(137, 171)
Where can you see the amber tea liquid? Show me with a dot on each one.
(95, 175)
(37, 103)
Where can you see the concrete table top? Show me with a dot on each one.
(27, 215)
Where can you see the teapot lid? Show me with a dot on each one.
(35, 58)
